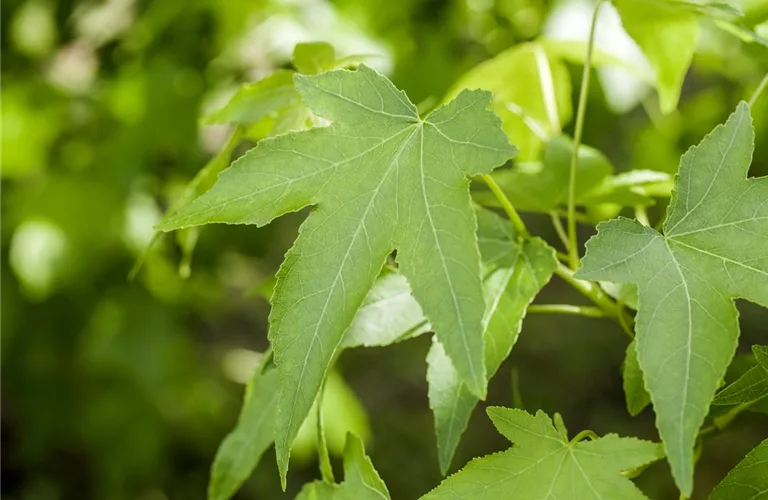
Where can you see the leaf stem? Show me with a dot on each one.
(573, 247)
(760, 87)
(326, 470)
(568, 309)
(721, 422)
(594, 293)
(559, 229)
(507, 206)
(581, 436)
(590, 290)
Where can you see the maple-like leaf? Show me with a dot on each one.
(382, 178)
(712, 250)
(748, 480)
(361, 481)
(543, 464)
(514, 272)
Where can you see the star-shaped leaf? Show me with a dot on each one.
(543, 464)
(361, 481)
(748, 480)
(382, 178)
(514, 272)
(713, 250)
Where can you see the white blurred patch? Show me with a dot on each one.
(307, 21)
(141, 215)
(38, 249)
(102, 22)
(73, 68)
(238, 364)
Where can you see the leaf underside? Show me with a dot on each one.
(514, 272)
(712, 250)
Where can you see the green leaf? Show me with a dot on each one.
(626, 293)
(314, 57)
(241, 450)
(343, 412)
(382, 179)
(636, 187)
(634, 388)
(751, 386)
(667, 35)
(542, 187)
(389, 314)
(515, 272)
(748, 480)
(712, 251)
(531, 93)
(256, 101)
(361, 481)
(544, 465)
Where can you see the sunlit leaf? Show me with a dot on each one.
(667, 36)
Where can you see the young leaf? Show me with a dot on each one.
(241, 450)
(712, 251)
(314, 57)
(748, 480)
(515, 273)
(544, 465)
(634, 388)
(751, 386)
(667, 36)
(382, 179)
(361, 481)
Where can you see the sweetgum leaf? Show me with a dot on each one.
(381, 178)
(751, 386)
(712, 250)
(241, 450)
(361, 481)
(543, 464)
(667, 35)
(748, 480)
(514, 273)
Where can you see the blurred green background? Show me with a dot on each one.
(118, 389)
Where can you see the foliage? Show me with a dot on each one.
(409, 142)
